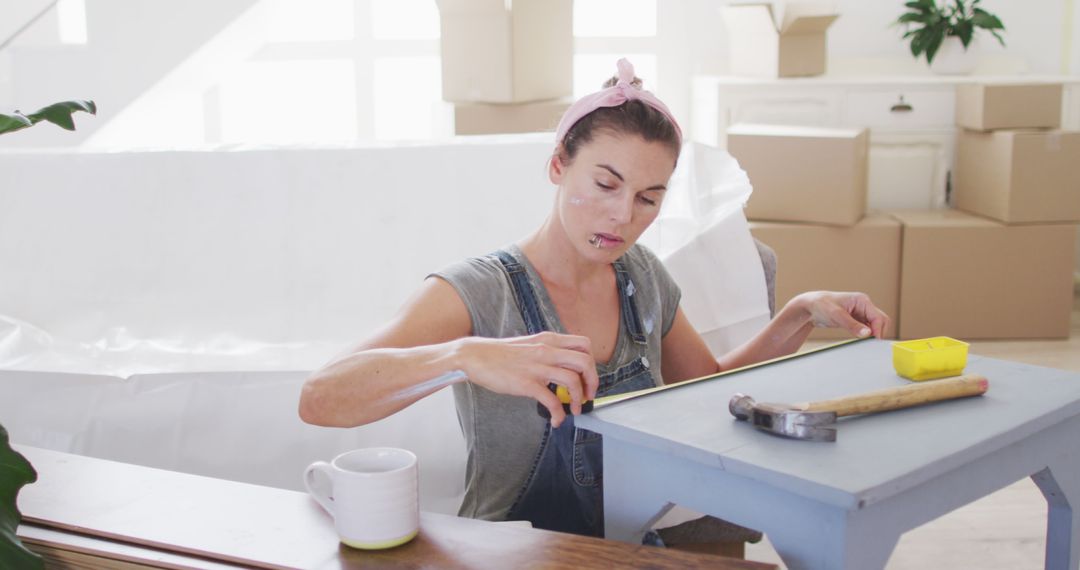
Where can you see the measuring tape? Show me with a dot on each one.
(610, 400)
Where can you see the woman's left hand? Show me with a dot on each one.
(853, 312)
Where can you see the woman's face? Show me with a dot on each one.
(610, 192)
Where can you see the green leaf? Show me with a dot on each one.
(14, 122)
(909, 17)
(933, 42)
(964, 31)
(954, 12)
(60, 113)
(921, 6)
(15, 471)
(988, 21)
(917, 42)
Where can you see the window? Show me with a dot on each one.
(407, 104)
(404, 20)
(297, 21)
(307, 101)
(393, 89)
(71, 20)
(615, 18)
(604, 31)
(286, 71)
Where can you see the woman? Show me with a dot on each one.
(576, 304)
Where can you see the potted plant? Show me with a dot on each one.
(15, 470)
(944, 32)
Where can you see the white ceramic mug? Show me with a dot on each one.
(372, 493)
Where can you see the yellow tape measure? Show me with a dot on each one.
(608, 400)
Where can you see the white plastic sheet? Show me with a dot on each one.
(705, 243)
(240, 426)
(135, 262)
(161, 308)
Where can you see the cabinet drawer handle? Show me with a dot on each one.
(902, 106)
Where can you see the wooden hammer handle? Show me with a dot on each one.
(902, 397)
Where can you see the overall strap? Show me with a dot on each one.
(627, 303)
(527, 302)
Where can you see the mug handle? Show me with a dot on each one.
(320, 490)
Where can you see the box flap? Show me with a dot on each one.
(474, 6)
(806, 17)
(807, 24)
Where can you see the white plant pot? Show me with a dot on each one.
(952, 59)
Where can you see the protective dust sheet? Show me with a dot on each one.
(163, 307)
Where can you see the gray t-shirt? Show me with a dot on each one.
(503, 433)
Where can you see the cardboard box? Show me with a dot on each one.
(972, 278)
(507, 52)
(803, 174)
(767, 40)
(864, 257)
(985, 107)
(493, 118)
(1018, 176)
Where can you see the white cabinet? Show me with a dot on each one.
(911, 122)
(899, 108)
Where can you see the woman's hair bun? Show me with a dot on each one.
(636, 82)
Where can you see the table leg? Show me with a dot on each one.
(1060, 484)
(640, 485)
(829, 537)
(633, 493)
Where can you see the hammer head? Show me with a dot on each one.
(784, 420)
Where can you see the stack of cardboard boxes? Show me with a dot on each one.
(809, 199)
(1001, 268)
(507, 67)
(809, 205)
(1004, 264)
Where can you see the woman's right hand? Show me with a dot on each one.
(524, 366)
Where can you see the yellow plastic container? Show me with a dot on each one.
(929, 358)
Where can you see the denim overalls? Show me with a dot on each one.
(563, 491)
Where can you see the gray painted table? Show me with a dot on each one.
(844, 504)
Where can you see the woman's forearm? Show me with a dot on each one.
(784, 334)
(368, 385)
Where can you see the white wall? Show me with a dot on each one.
(17, 13)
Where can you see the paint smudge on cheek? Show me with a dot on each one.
(577, 200)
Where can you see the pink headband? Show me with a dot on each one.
(613, 96)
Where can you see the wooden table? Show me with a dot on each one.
(844, 504)
(103, 514)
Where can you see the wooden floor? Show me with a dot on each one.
(1003, 531)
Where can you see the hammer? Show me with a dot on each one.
(809, 420)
